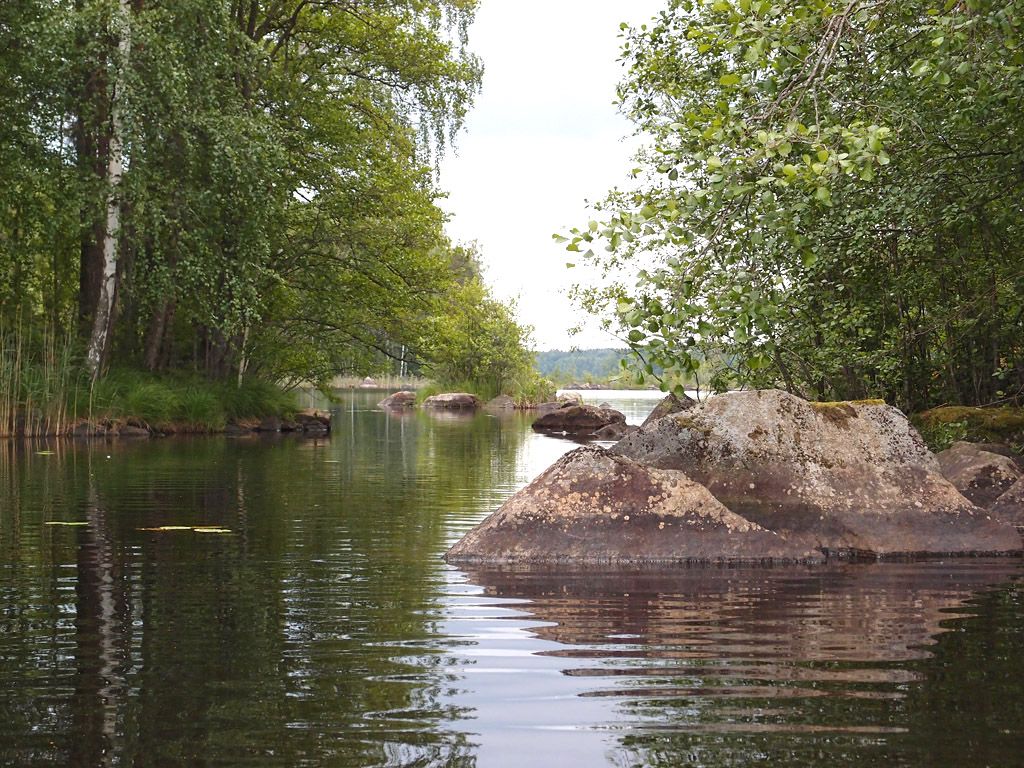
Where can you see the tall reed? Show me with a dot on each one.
(37, 377)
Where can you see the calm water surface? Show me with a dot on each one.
(319, 626)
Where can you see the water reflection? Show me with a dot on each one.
(323, 628)
(703, 664)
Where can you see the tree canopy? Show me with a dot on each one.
(830, 198)
(275, 206)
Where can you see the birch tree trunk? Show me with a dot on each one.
(99, 339)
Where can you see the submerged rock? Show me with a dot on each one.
(403, 399)
(980, 475)
(594, 507)
(578, 420)
(452, 400)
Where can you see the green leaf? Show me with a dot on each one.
(920, 68)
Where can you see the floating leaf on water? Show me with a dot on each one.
(193, 528)
(66, 522)
(45, 453)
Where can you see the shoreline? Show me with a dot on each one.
(310, 422)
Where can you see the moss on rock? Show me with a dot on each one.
(943, 426)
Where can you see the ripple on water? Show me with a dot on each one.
(326, 630)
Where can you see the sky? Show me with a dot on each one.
(542, 138)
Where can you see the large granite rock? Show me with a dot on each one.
(855, 477)
(745, 477)
(594, 507)
(1003, 450)
(403, 399)
(1010, 506)
(578, 420)
(980, 475)
(453, 400)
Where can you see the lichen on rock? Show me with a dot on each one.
(745, 476)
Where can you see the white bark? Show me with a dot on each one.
(101, 326)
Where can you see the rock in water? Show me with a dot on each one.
(452, 400)
(980, 475)
(1010, 506)
(403, 399)
(579, 420)
(615, 432)
(501, 403)
(854, 477)
(594, 507)
(669, 405)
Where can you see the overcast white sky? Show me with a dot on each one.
(542, 139)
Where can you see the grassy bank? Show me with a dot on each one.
(529, 392)
(43, 392)
(180, 402)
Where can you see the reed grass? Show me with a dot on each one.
(182, 402)
(45, 392)
(38, 374)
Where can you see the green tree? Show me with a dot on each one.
(830, 198)
(474, 341)
(274, 212)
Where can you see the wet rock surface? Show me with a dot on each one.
(827, 479)
(979, 474)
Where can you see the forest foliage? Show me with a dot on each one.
(240, 189)
(599, 365)
(829, 199)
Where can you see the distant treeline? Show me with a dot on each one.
(581, 365)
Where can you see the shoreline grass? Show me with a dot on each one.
(45, 393)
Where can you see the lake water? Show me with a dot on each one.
(310, 621)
